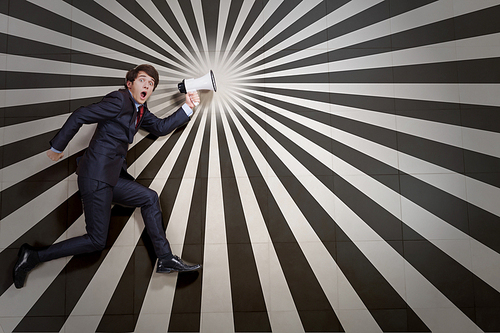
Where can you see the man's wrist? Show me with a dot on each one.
(55, 150)
(187, 109)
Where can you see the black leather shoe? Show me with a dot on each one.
(175, 264)
(28, 259)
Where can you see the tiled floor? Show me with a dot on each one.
(344, 176)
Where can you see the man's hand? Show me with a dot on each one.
(192, 99)
(54, 156)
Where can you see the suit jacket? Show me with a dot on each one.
(115, 115)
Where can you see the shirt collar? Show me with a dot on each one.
(135, 102)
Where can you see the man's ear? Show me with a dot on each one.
(129, 84)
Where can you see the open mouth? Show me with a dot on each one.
(143, 94)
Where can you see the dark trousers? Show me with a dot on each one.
(97, 198)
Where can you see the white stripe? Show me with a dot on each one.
(60, 8)
(157, 304)
(346, 11)
(16, 97)
(323, 265)
(216, 301)
(294, 15)
(406, 280)
(434, 53)
(179, 15)
(458, 136)
(266, 12)
(37, 33)
(15, 173)
(151, 9)
(242, 15)
(281, 308)
(479, 94)
(111, 270)
(200, 22)
(224, 6)
(53, 197)
(449, 239)
(16, 303)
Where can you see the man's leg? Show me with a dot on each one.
(96, 198)
(130, 193)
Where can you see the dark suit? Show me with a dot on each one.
(102, 171)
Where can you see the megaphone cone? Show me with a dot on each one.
(206, 82)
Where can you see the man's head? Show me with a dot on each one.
(142, 81)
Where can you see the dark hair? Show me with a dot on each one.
(148, 69)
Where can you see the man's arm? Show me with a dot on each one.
(109, 107)
(160, 127)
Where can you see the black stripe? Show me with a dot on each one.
(42, 234)
(20, 150)
(284, 9)
(386, 305)
(26, 11)
(312, 305)
(454, 277)
(25, 80)
(73, 275)
(187, 10)
(372, 15)
(137, 10)
(250, 19)
(99, 13)
(448, 157)
(186, 308)
(453, 210)
(25, 113)
(139, 275)
(4, 7)
(485, 230)
(466, 71)
(249, 308)
(474, 116)
(27, 47)
(169, 16)
(234, 9)
(211, 20)
(441, 154)
(75, 278)
(438, 32)
(23, 192)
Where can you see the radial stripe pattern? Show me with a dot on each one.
(343, 178)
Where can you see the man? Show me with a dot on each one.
(102, 171)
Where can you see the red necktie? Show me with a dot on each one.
(139, 116)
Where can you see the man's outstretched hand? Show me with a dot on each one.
(54, 156)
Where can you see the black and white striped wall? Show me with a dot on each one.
(345, 177)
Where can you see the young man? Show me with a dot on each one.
(102, 171)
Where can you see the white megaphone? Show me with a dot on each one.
(206, 82)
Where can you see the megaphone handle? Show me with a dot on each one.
(195, 103)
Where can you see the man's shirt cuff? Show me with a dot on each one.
(187, 109)
(55, 150)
